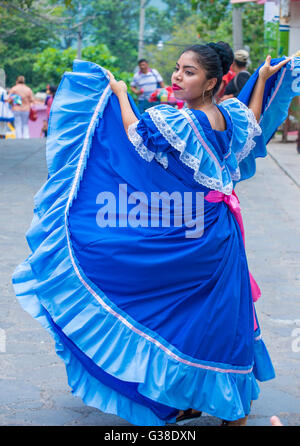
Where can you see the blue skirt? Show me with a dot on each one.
(147, 320)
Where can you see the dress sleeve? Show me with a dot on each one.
(246, 143)
(148, 140)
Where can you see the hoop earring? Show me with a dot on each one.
(209, 94)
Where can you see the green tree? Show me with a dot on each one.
(20, 41)
(195, 29)
(116, 24)
(212, 12)
(164, 60)
(216, 24)
(52, 63)
(253, 25)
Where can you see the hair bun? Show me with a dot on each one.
(225, 54)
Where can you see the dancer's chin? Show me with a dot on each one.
(178, 94)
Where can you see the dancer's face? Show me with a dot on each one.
(189, 79)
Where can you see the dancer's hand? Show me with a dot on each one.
(117, 87)
(267, 70)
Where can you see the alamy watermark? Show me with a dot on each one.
(296, 340)
(157, 209)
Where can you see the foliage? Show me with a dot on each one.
(109, 22)
(116, 23)
(216, 24)
(185, 35)
(178, 12)
(202, 27)
(173, 17)
(253, 25)
(165, 59)
(20, 41)
(44, 34)
(53, 63)
(212, 12)
(16, 3)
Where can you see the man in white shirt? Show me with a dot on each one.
(144, 83)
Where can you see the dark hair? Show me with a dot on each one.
(214, 58)
(20, 80)
(142, 60)
(240, 64)
(52, 89)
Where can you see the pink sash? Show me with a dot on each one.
(233, 203)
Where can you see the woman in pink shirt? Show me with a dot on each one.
(22, 99)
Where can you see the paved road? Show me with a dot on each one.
(33, 385)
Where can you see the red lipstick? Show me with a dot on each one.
(176, 87)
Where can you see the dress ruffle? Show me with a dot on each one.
(52, 287)
(184, 133)
(279, 92)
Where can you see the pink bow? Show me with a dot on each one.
(233, 203)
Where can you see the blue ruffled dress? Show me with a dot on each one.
(151, 312)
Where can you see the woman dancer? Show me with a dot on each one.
(152, 317)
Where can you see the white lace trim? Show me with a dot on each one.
(188, 159)
(212, 183)
(140, 147)
(137, 141)
(236, 175)
(253, 130)
(163, 160)
(167, 132)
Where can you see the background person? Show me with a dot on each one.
(4, 113)
(22, 99)
(51, 90)
(241, 60)
(144, 83)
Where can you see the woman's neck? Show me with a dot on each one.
(198, 104)
(215, 117)
(239, 69)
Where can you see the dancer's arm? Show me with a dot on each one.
(265, 72)
(120, 90)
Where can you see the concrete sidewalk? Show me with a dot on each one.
(286, 157)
